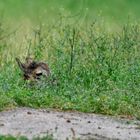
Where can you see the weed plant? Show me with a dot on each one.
(92, 70)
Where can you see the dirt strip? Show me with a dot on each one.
(33, 122)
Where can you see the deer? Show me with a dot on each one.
(33, 70)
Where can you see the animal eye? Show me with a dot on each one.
(38, 74)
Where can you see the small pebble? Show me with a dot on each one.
(29, 113)
(89, 121)
(99, 127)
(68, 121)
(1, 124)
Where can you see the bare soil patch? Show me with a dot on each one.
(38, 122)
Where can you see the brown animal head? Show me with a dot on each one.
(33, 70)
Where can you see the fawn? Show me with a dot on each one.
(33, 70)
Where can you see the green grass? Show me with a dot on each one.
(24, 138)
(95, 69)
(113, 12)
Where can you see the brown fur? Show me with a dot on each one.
(33, 70)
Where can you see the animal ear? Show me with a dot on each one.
(21, 65)
(29, 60)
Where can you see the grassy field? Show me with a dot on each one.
(92, 49)
(110, 12)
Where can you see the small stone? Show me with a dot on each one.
(1, 124)
(29, 113)
(68, 121)
(89, 122)
(99, 127)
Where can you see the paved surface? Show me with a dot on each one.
(31, 123)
